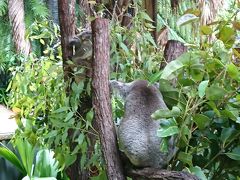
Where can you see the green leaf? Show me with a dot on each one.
(26, 151)
(227, 35)
(229, 114)
(206, 30)
(170, 69)
(69, 116)
(165, 113)
(186, 19)
(11, 157)
(198, 172)
(46, 165)
(124, 47)
(145, 16)
(235, 154)
(154, 77)
(227, 134)
(168, 131)
(185, 158)
(202, 88)
(202, 121)
(215, 92)
(39, 178)
(233, 71)
(61, 109)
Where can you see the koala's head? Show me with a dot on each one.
(139, 96)
(125, 88)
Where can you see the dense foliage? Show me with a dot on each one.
(201, 89)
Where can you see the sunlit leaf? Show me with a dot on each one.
(198, 172)
(202, 88)
(168, 131)
(165, 113)
(186, 19)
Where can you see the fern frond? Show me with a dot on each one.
(3, 7)
(39, 8)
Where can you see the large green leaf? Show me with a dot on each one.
(201, 120)
(26, 151)
(46, 165)
(167, 131)
(198, 172)
(234, 154)
(165, 113)
(202, 88)
(11, 157)
(186, 19)
(233, 71)
(227, 35)
(215, 92)
(170, 70)
(38, 178)
(227, 134)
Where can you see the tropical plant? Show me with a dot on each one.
(44, 167)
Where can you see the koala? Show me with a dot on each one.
(137, 132)
(82, 57)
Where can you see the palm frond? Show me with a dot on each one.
(3, 7)
(39, 8)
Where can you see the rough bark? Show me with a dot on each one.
(101, 99)
(172, 51)
(85, 7)
(157, 174)
(67, 30)
(16, 17)
(53, 8)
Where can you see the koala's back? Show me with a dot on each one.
(137, 131)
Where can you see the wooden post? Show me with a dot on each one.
(101, 99)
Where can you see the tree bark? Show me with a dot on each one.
(160, 174)
(172, 51)
(53, 8)
(101, 99)
(67, 29)
(16, 17)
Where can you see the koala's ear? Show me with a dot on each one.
(120, 87)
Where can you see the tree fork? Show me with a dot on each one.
(101, 99)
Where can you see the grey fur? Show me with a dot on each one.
(137, 131)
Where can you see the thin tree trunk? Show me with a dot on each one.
(172, 51)
(101, 99)
(67, 27)
(67, 31)
(16, 17)
(53, 8)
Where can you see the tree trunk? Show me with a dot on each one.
(53, 8)
(67, 31)
(16, 17)
(160, 174)
(172, 51)
(67, 27)
(101, 99)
